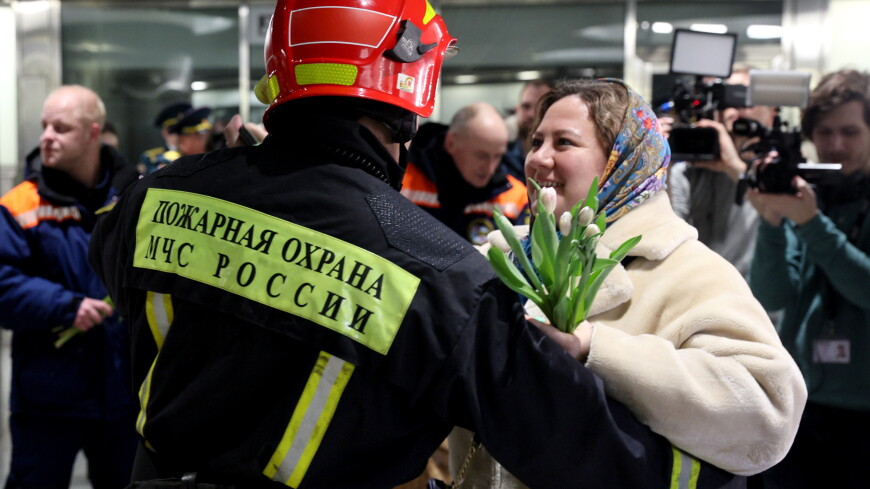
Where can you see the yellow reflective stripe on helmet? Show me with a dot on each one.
(326, 73)
(309, 421)
(282, 265)
(158, 310)
(261, 90)
(686, 470)
(273, 87)
(430, 13)
(144, 396)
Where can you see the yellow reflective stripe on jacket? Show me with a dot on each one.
(144, 395)
(310, 420)
(686, 470)
(158, 310)
(274, 262)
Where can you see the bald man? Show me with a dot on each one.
(70, 374)
(455, 173)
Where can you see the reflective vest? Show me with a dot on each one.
(476, 220)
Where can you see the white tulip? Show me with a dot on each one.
(585, 216)
(548, 198)
(591, 231)
(565, 223)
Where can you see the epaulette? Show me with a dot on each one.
(415, 232)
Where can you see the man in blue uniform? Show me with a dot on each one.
(163, 155)
(297, 322)
(194, 131)
(70, 380)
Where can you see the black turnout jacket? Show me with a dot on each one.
(296, 320)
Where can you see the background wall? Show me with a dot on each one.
(8, 101)
(848, 34)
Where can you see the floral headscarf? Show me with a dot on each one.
(638, 163)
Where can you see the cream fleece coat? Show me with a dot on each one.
(681, 341)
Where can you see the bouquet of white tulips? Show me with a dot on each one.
(564, 273)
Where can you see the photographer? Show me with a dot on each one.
(811, 258)
(702, 192)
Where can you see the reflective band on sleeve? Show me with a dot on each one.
(309, 421)
(282, 265)
(144, 395)
(158, 310)
(685, 471)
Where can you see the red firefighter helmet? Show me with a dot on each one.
(385, 50)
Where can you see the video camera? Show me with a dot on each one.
(701, 54)
(711, 55)
(781, 88)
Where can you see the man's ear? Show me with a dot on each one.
(450, 143)
(95, 130)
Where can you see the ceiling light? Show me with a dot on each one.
(466, 79)
(711, 28)
(528, 75)
(198, 86)
(662, 28)
(759, 31)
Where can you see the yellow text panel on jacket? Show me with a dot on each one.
(274, 262)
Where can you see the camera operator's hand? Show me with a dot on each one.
(729, 161)
(799, 208)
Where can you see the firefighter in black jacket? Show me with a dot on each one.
(297, 322)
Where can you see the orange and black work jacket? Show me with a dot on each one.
(433, 183)
(297, 322)
(45, 226)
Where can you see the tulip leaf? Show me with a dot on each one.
(507, 229)
(592, 196)
(510, 274)
(619, 253)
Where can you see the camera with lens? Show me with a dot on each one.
(707, 55)
(778, 148)
(700, 101)
(701, 55)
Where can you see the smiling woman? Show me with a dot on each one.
(674, 332)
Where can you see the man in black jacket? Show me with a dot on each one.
(297, 322)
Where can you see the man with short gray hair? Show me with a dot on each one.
(455, 173)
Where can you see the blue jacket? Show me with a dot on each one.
(45, 227)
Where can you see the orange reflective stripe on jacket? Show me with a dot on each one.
(419, 189)
(29, 209)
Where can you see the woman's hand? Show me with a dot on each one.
(576, 345)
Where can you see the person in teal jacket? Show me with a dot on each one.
(811, 260)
